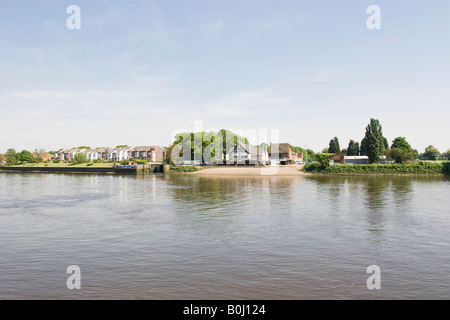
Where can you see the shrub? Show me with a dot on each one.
(56, 161)
(124, 162)
(183, 169)
(90, 164)
(79, 158)
(446, 167)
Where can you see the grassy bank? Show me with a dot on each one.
(420, 168)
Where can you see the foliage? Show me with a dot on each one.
(324, 159)
(446, 167)
(203, 146)
(426, 168)
(334, 146)
(38, 155)
(82, 147)
(79, 158)
(399, 155)
(353, 148)
(308, 154)
(431, 153)
(122, 146)
(183, 169)
(447, 154)
(25, 156)
(11, 157)
(90, 164)
(401, 143)
(374, 143)
(124, 162)
(56, 161)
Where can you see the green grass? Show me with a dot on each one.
(420, 168)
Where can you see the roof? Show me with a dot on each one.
(279, 148)
(356, 157)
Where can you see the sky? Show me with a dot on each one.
(137, 72)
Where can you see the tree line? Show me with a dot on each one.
(374, 145)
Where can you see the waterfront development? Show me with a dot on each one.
(223, 237)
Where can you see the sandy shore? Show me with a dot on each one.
(250, 171)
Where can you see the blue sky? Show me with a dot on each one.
(137, 71)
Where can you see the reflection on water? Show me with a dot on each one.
(191, 237)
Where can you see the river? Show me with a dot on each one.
(190, 237)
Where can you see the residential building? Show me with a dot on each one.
(281, 154)
(245, 154)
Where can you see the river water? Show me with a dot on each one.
(188, 237)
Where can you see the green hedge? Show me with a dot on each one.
(428, 168)
(183, 169)
(446, 168)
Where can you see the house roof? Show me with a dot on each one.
(279, 147)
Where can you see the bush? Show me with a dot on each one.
(183, 169)
(124, 162)
(446, 167)
(79, 158)
(56, 161)
(90, 164)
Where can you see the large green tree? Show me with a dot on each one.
(25, 156)
(353, 148)
(401, 143)
(334, 146)
(374, 143)
(400, 151)
(11, 157)
(399, 155)
(431, 153)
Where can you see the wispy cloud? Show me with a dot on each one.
(270, 25)
(216, 26)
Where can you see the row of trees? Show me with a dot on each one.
(374, 145)
(12, 157)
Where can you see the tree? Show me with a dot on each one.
(374, 143)
(11, 157)
(399, 155)
(38, 155)
(324, 159)
(334, 146)
(431, 153)
(447, 154)
(401, 143)
(25, 156)
(353, 148)
(79, 158)
(122, 146)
